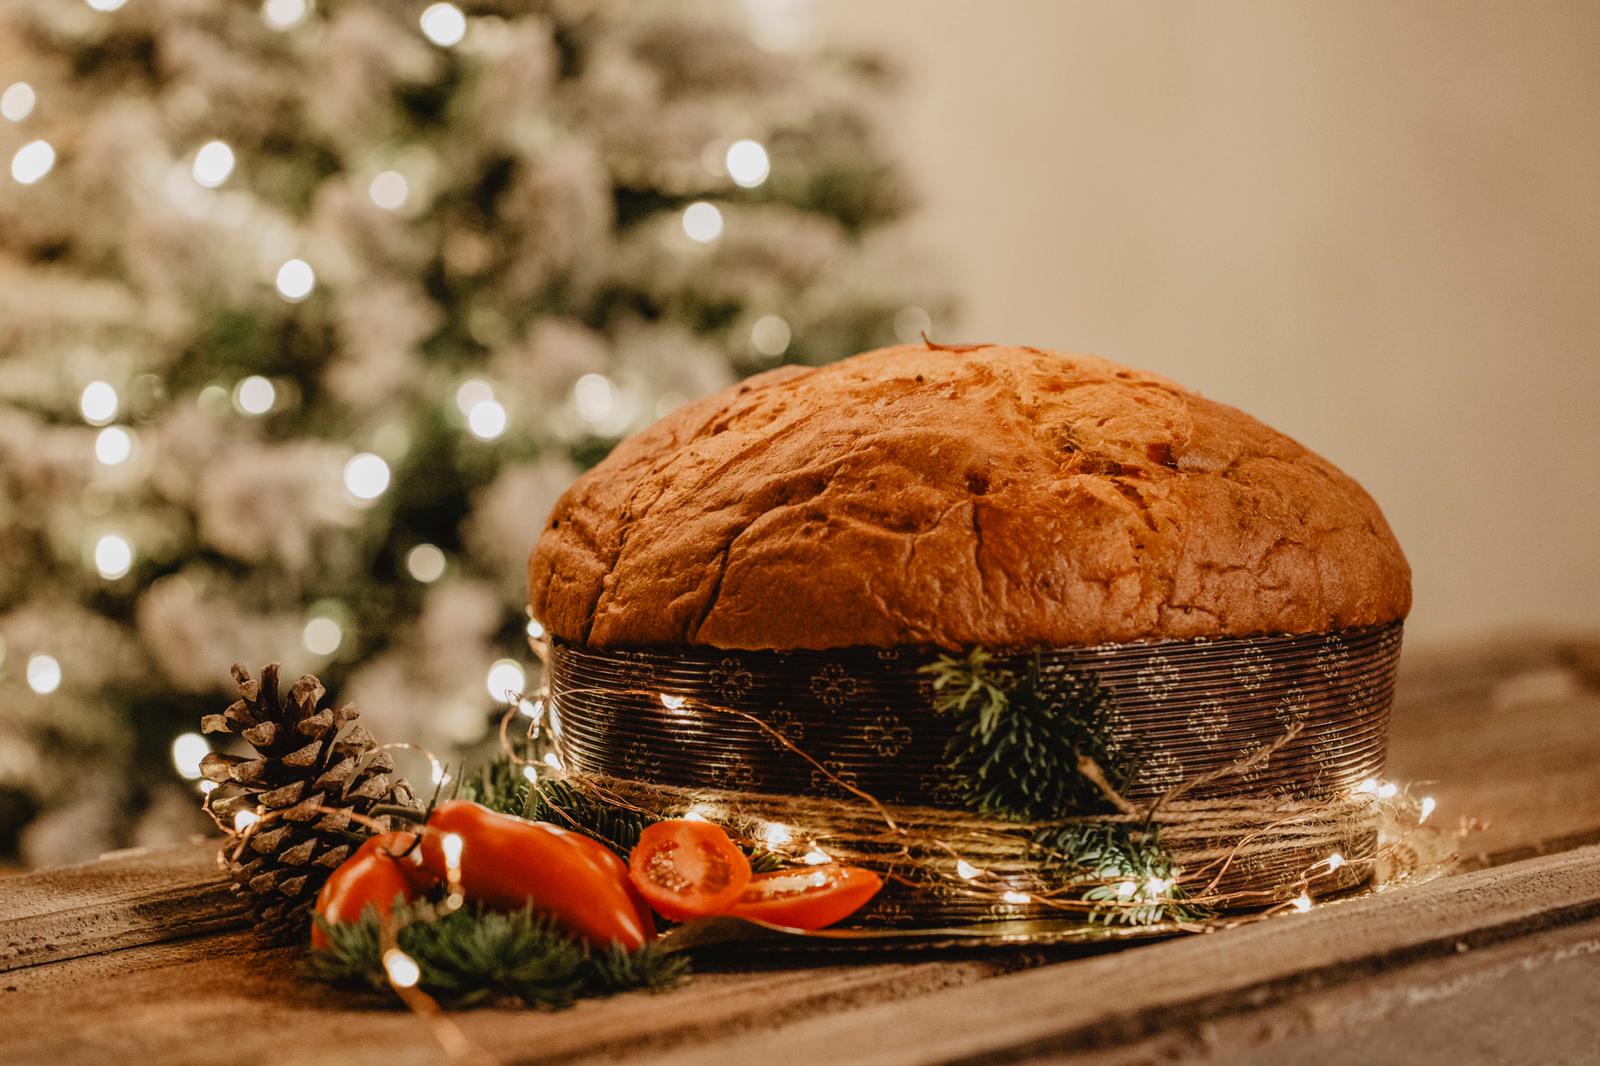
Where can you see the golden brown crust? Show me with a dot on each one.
(1005, 497)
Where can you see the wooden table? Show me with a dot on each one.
(140, 957)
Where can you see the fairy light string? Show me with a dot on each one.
(957, 854)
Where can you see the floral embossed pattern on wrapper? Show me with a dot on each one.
(1035, 635)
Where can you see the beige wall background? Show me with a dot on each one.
(1374, 225)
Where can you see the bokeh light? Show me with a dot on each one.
(32, 162)
(426, 563)
(702, 222)
(295, 280)
(506, 679)
(98, 403)
(187, 751)
(366, 476)
(281, 14)
(44, 674)
(213, 163)
(255, 395)
(444, 24)
(389, 190)
(113, 445)
(113, 556)
(747, 163)
(16, 103)
(322, 635)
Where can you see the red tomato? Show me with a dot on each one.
(508, 863)
(373, 875)
(688, 869)
(809, 897)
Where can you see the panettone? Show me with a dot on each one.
(956, 497)
(749, 602)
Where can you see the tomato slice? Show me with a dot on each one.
(809, 897)
(688, 869)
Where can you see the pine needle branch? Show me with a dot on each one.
(1017, 743)
(469, 957)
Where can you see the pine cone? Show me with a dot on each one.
(305, 780)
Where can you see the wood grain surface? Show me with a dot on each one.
(140, 957)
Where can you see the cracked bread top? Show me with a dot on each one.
(960, 496)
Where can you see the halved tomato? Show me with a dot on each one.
(688, 869)
(809, 897)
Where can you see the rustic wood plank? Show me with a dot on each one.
(1061, 1010)
(1535, 998)
(172, 1002)
(137, 898)
(163, 1002)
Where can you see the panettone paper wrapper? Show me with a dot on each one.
(863, 718)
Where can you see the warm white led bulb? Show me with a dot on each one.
(747, 163)
(389, 190)
(113, 445)
(113, 556)
(32, 162)
(281, 14)
(187, 751)
(444, 24)
(16, 103)
(366, 476)
(1013, 896)
(531, 772)
(486, 420)
(243, 820)
(402, 969)
(776, 834)
(98, 403)
(322, 636)
(254, 395)
(505, 679)
(106, 5)
(44, 674)
(426, 563)
(702, 222)
(213, 163)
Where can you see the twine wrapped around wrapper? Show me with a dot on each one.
(1252, 756)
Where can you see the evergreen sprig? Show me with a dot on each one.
(1016, 745)
(469, 957)
(1016, 748)
(1121, 862)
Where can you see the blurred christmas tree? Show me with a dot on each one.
(308, 311)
